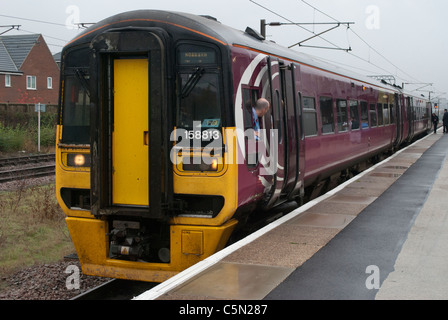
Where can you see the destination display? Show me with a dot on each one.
(193, 55)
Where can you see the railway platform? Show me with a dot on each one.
(381, 236)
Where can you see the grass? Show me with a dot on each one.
(32, 228)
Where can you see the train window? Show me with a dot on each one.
(250, 98)
(309, 116)
(354, 115)
(392, 117)
(199, 87)
(278, 106)
(342, 114)
(373, 117)
(327, 115)
(76, 112)
(200, 102)
(380, 114)
(364, 115)
(386, 115)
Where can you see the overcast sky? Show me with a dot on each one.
(404, 38)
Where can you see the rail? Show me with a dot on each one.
(10, 173)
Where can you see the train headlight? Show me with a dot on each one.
(78, 160)
(214, 165)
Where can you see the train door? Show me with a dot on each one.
(130, 185)
(398, 120)
(292, 132)
(278, 115)
(129, 125)
(405, 119)
(411, 116)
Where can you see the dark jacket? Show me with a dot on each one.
(445, 119)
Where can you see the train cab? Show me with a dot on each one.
(145, 146)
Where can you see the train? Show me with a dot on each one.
(158, 160)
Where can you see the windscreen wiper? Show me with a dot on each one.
(192, 82)
(80, 76)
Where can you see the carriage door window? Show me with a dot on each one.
(250, 98)
(278, 114)
(392, 117)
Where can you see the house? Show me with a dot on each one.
(28, 71)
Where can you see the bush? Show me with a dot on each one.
(18, 133)
(11, 139)
(47, 136)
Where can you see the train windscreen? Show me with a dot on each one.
(76, 110)
(199, 88)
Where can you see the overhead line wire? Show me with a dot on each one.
(364, 41)
(33, 20)
(279, 15)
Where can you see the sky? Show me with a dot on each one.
(403, 38)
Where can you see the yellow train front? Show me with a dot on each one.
(145, 168)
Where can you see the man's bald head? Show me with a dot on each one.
(262, 107)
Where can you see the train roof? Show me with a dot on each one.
(209, 27)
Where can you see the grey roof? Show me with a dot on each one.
(17, 48)
(6, 63)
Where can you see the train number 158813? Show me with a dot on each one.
(205, 135)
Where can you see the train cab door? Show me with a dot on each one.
(129, 125)
(130, 156)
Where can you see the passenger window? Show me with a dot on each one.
(386, 115)
(373, 117)
(364, 115)
(327, 115)
(342, 115)
(354, 115)
(380, 114)
(309, 116)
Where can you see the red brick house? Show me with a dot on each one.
(28, 71)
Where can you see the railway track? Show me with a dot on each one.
(116, 289)
(36, 166)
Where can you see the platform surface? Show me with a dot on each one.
(383, 235)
